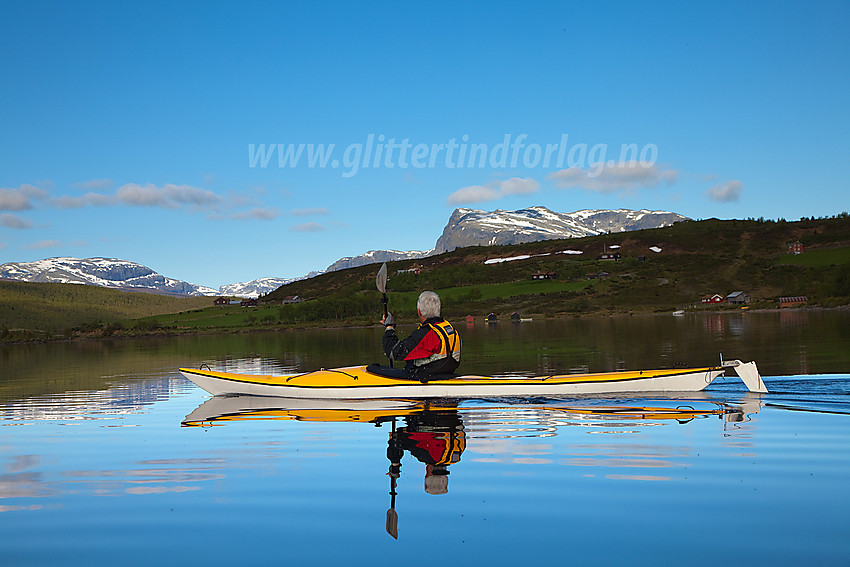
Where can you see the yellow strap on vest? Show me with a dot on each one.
(449, 339)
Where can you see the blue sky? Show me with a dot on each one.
(144, 131)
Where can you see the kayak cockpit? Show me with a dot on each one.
(403, 374)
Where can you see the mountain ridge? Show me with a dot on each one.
(465, 227)
(99, 271)
(476, 227)
(471, 227)
(260, 286)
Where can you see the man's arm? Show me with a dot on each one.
(399, 349)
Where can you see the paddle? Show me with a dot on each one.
(392, 515)
(381, 283)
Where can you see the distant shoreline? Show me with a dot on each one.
(98, 335)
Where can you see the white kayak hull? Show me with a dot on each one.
(355, 383)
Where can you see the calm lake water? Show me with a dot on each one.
(108, 455)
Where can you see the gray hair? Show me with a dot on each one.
(428, 304)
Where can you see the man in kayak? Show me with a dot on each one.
(433, 348)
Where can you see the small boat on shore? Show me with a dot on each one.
(376, 382)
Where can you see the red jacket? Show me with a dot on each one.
(434, 347)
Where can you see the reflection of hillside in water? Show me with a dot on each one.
(120, 399)
(26, 482)
(501, 436)
(720, 324)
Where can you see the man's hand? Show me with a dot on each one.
(388, 320)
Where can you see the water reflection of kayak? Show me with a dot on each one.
(245, 408)
(361, 382)
(545, 415)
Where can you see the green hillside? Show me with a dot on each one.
(34, 311)
(695, 258)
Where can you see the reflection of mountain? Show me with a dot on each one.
(56, 369)
(124, 398)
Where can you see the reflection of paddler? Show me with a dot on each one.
(435, 438)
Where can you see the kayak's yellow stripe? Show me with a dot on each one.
(357, 377)
(370, 416)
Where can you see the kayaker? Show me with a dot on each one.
(433, 348)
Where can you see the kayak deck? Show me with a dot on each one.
(356, 382)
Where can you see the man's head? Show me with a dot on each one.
(428, 305)
(436, 479)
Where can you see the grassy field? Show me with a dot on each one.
(34, 310)
(819, 258)
(364, 307)
(461, 295)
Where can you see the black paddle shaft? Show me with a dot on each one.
(381, 283)
(386, 312)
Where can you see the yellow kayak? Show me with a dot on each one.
(360, 382)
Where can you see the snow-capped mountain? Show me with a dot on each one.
(375, 256)
(104, 272)
(470, 227)
(261, 286)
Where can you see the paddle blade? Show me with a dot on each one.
(392, 523)
(381, 279)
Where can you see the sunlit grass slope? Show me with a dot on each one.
(55, 307)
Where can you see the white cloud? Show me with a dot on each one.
(172, 196)
(43, 244)
(14, 200)
(255, 214)
(309, 227)
(726, 192)
(613, 178)
(310, 212)
(13, 221)
(168, 196)
(473, 194)
(20, 198)
(518, 186)
(95, 184)
(87, 200)
(494, 190)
